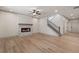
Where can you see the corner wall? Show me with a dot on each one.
(9, 23)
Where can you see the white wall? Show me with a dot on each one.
(69, 26)
(35, 25)
(73, 25)
(9, 23)
(25, 19)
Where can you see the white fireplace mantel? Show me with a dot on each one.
(24, 25)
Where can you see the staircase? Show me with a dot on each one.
(54, 27)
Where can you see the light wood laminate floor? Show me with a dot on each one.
(40, 43)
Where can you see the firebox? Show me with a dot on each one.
(25, 29)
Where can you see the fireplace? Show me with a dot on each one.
(25, 29)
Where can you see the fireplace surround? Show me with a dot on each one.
(25, 29)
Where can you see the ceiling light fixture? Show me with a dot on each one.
(34, 14)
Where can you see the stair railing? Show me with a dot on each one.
(54, 26)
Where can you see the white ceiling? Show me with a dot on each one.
(67, 11)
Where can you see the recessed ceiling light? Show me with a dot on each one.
(56, 11)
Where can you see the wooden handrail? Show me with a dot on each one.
(52, 23)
